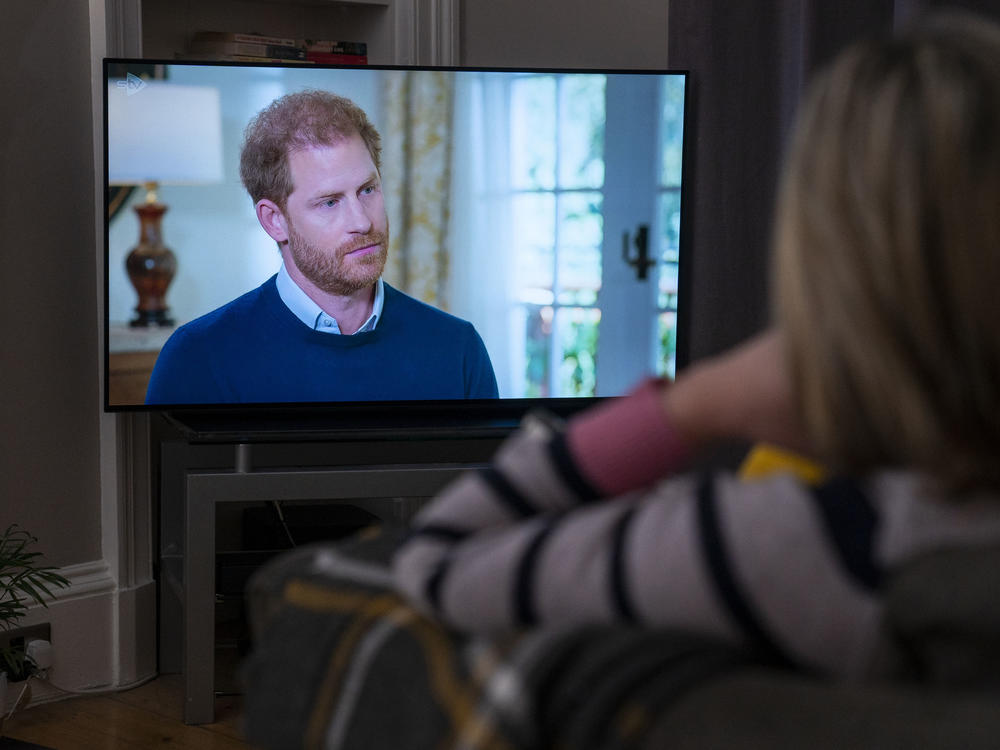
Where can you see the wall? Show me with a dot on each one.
(55, 480)
(50, 399)
(563, 33)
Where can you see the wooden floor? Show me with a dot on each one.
(144, 717)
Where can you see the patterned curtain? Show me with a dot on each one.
(416, 164)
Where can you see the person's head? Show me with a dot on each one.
(293, 122)
(311, 162)
(887, 255)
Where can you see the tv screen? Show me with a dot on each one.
(518, 244)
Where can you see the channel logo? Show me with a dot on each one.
(132, 84)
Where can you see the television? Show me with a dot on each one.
(542, 206)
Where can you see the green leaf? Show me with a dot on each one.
(23, 578)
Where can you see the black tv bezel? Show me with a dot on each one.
(386, 419)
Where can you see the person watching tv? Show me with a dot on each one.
(882, 363)
(326, 326)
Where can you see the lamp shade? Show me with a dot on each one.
(164, 133)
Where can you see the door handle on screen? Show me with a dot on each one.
(641, 262)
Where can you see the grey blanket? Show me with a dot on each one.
(340, 661)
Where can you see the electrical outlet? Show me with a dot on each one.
(20, 636)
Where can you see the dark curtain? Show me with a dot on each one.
(749, 62)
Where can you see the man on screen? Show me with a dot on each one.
(326, 327)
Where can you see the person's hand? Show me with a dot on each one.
(744, 393)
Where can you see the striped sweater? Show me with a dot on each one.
(793, 569)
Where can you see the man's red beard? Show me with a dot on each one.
(334, 272)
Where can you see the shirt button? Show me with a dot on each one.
(327, 323)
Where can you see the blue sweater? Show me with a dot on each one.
(254, 350)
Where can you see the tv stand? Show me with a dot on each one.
(388, 478)
(487, 418)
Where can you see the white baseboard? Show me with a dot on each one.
(85, 579)
(103, 638)
(43, 691)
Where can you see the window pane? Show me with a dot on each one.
(667, 339)
(581, 231)
(577, 331)
(667, 290)
(670, 223)
(535, 237)
(581, 132)
(538, 342)
(671, 131)
(533, 133)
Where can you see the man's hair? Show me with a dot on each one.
(887, 255)
(292, 122)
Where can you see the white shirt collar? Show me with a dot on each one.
(306, 310)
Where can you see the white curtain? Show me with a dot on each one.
(445, 163)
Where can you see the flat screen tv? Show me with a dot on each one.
(543, 207)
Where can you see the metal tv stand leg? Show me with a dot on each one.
(203, 489)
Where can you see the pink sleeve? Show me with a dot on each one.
(627, 443)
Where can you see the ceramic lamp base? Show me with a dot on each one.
(151, 267)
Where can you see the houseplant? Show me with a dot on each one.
(24, 580)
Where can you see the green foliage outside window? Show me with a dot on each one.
(578, 369)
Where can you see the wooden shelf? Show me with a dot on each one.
(385, 25)
(327, 3)
(132, 353)
(397, 32)
(128, 377)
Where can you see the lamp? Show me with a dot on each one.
(160, 134)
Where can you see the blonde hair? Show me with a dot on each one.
(299, 120)
(887, 255)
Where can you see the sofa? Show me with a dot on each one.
(339, 660)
